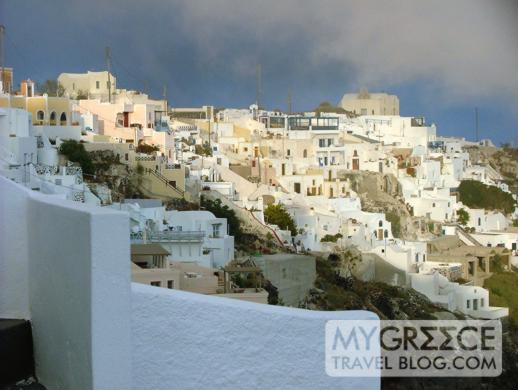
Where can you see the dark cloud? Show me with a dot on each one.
(440, 54)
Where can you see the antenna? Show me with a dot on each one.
(164, 94)
(289, 102)
(2, 31)
(476, 124)
(259, 86)
(108, 57)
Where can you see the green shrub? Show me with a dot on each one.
(75, 151)
(395, 222)
(331, 237)
(475, 194)
(463, 217)
(147, 149)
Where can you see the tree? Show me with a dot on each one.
(276, 214)
(81, 94)
(75, 152)
(51, 88)
(328, 107)
(203, 150)
(463, 217)
(223, 211)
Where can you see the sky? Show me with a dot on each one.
(442, 59)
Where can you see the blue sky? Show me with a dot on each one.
(441, 63)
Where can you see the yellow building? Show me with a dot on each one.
(95, 85)
(45, 110)
(365, 103)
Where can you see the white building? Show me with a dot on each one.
(470, 300)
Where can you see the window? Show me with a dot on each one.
(215, 230)
(63, 118)
(479, 221)
(53, 118)
(288, 152)
(120, 119)
(170, 284)
(305, 153)
(156, 284)
(97, 84)
(481, 302)
(126, 156)
(40, 115)
(433, 204)
(380, 223)
(467, 304)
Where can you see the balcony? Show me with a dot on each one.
(183, 236)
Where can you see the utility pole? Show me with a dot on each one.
(108, 57)
(2, 31)
(258, 86)
(476, 124)
(210, 145)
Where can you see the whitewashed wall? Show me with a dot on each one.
(14, 266)
(189, 341)
(66, 268)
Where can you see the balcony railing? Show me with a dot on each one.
(196, 236)
(185, 236)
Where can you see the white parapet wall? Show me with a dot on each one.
(69, 274)
(192, 341)
(66, 267)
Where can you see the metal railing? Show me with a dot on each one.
(177, 236)
(169, 236)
